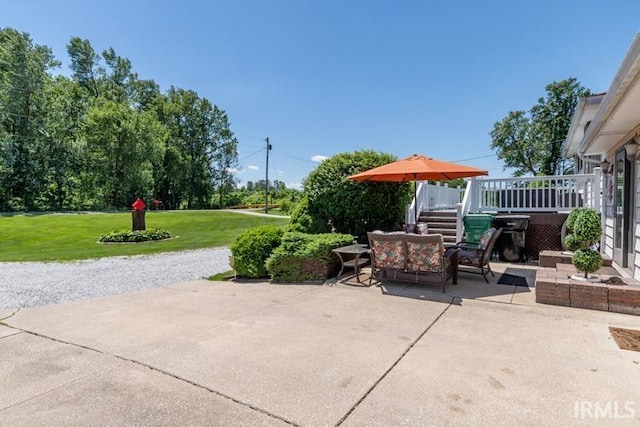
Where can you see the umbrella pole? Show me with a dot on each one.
(415, 198)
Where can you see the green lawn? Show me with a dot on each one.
(72, 236)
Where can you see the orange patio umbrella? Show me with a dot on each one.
(417, 168)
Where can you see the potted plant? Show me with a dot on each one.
(585, 228)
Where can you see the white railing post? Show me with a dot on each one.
(597, 191)
(459, 215)
(473, 193)
(424, 191)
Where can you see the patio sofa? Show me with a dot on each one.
(412, 258)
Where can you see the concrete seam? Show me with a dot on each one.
(52, 390)
(11, 315)
(393, 365)
(163, 372)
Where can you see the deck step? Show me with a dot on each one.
(441, 222)
(447, 225)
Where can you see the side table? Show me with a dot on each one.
(356, 262)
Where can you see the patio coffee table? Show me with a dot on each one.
(352, 253)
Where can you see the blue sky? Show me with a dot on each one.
(324, 77)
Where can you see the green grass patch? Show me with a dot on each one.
(73, 236)
(218, 277)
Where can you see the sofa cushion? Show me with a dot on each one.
(485, 237)
(408, 228)
(469, 257)
(389, 254)
(422, 228)
(424, 257)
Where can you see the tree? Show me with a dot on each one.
(531, 144)
(123, 147)
(202, 147)
(61, 151)
(24, 77)
(85, 64)
(353, 207)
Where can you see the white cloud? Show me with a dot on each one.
(253, 167)
(233, 170)
(296, 185)
(318, 158)
(280, 172)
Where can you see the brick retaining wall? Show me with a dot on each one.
(554, 287)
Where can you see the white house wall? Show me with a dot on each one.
(608, 233)
(636, 226)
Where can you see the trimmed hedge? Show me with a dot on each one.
(303, 256)
(250, 250)
(135, 236)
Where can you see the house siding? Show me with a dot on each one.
(608, 233)
(636, 226)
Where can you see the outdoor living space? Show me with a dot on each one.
(518, 288)
(260, 353)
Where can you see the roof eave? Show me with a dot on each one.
(624, 77)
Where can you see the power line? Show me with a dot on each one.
(249, 136)
(474, 158)
(293, 157)
(249, 155)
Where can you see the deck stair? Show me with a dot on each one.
(441, 222)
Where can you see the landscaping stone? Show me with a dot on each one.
(624, 299)
(553, 291)
(552, 258)
(593, 296)
(554, 287)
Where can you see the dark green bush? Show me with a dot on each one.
(355, 207)
(303, 222)
(306, 256)
(250, 250)
(135, 236)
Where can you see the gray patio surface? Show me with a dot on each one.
(217, 353)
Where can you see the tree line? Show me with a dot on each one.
(102, 136)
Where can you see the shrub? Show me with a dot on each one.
(571, 219)
(587, 260)
(572, 242)
(585, 228)
(135, 236)
(306, 256)
(302, 221)
(355, 207)
(250, 250)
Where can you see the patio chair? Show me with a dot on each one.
(477, 255)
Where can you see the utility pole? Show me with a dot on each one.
(266, 180)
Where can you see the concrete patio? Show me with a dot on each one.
(219, 353)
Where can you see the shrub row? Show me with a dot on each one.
(306, 256)
(135, 236)
(286, 257)
(251, 249)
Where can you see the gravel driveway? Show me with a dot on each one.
(27, 284)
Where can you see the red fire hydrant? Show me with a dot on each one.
(137, 215)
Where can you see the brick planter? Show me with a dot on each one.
(594, 296)
(553, 258)
(554, 287)
(624, 299)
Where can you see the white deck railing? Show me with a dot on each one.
(559, 193)
(434, 197)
